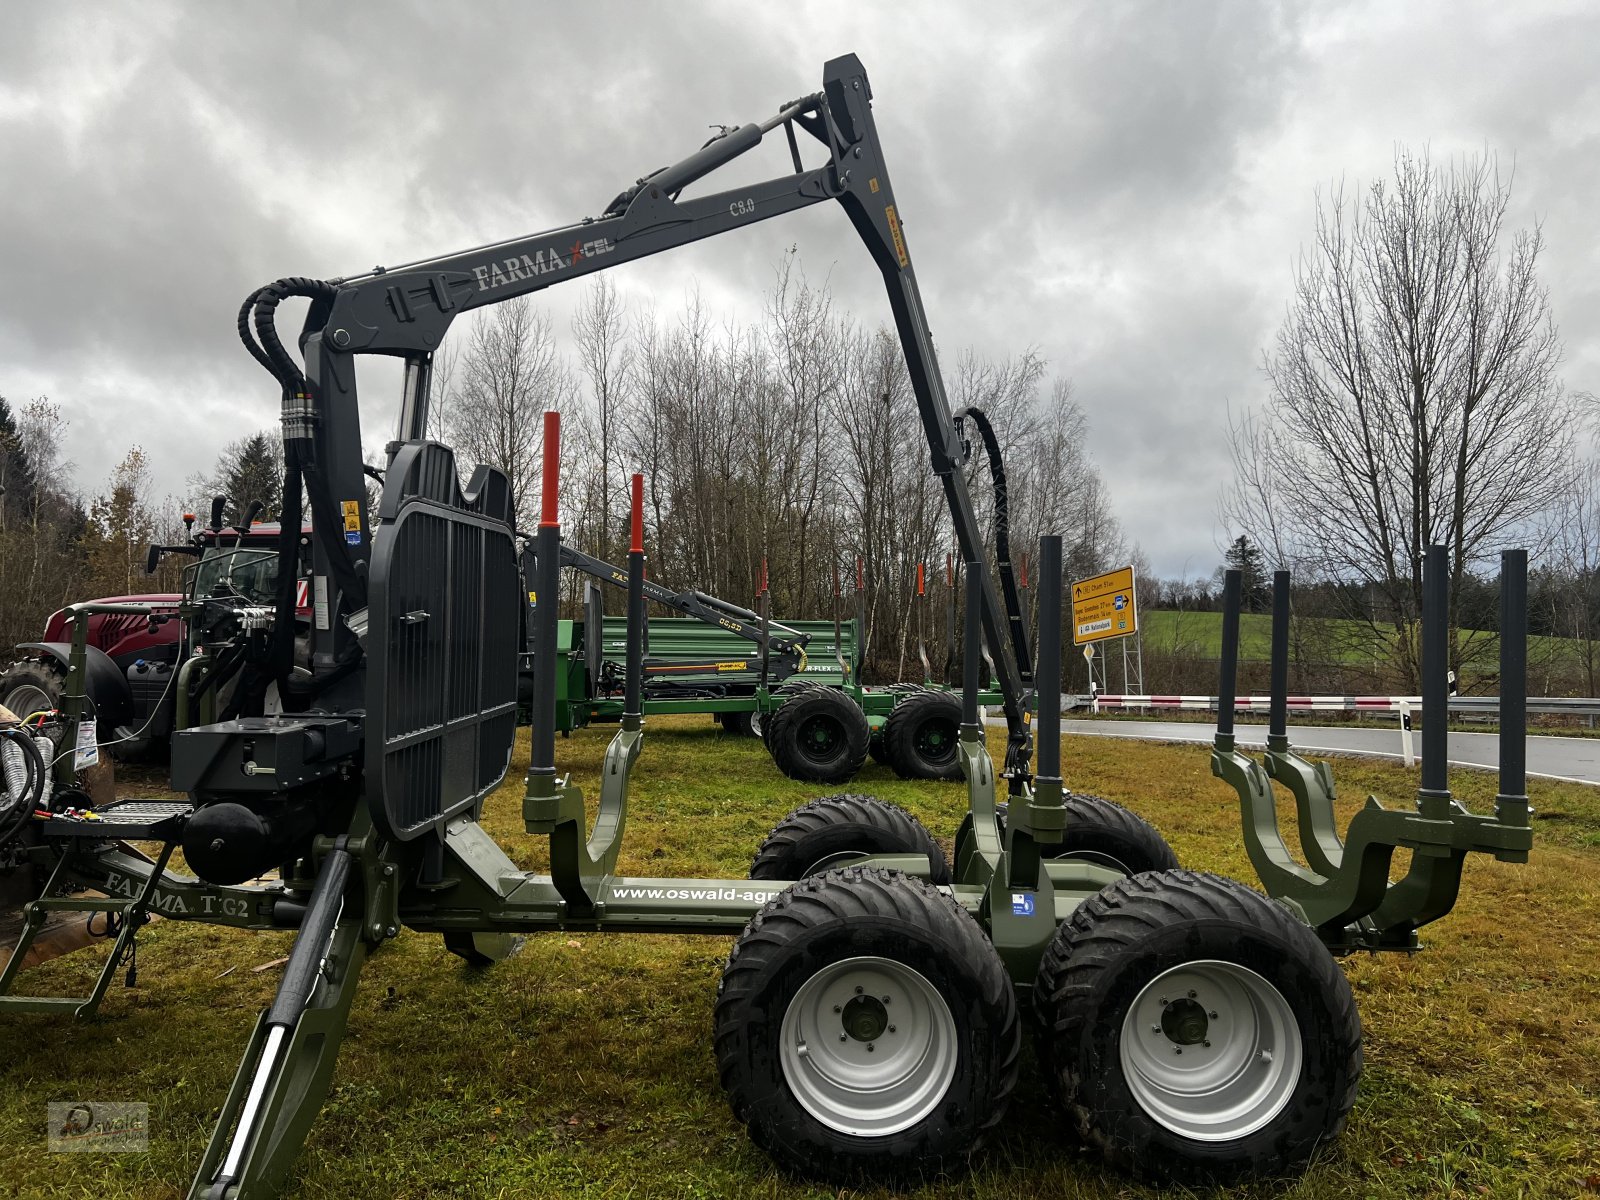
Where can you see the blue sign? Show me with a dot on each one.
(1022, 904)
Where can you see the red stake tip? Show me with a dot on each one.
(638, 515)
(861, 576)
(549, 509)
(921, 590)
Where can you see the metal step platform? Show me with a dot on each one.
(126, 820)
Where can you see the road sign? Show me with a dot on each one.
(1103, 607)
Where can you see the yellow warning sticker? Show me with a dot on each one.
(872, 185)
(352, 516)
(731, 666)
(899, 240)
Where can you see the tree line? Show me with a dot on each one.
(1411, 396)
(786, 447)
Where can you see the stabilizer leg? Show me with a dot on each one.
(288, 1066)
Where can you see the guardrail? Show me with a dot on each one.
(1578, 706)
(1401, 706)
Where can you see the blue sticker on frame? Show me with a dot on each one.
(1022, 904)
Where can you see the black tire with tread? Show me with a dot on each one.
(787, 688)
(739, 724)
(1131, 931)
(792, 725)
(847, 913)
(906, 731)
(814, 834)
(49, 677)
(1100, 829)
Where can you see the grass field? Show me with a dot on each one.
(1342, 641)
(583, 1066)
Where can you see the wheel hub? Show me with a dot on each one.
(865, 1018)
(1211, 1050)
(868, 1046)
(1184, 1022)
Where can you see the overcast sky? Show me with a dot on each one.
(1122, 186)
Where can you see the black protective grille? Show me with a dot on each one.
(442, 640)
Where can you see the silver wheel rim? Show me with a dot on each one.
(755, 724)
(1211, 1050)
(868, 1047)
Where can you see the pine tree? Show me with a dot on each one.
(17, 481)
(1244, 556)
(248, 470)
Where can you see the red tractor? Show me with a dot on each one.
(135, 662)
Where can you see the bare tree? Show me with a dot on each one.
(511, 372)
(606, 359)
(1413, 393)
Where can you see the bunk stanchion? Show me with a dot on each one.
(1047, 677)
(1024, 613)
(949, 674)
(845, 676)
(1228, 664)
(1046, 810)
(1433, 797)
(764, 610)
(580, 865)
(921, 601)
(859, 658)
(971, 653)
(632, 705)
(1278, 720)
(1311, 784)
(547, 572)
(1511, 805)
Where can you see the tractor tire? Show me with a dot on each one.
(813, 839)
(819, 736)
(739, 724)
(31, 684)
(921, 735)
(1177, 963)
(788, 687)
(865, 1030)
(1102, 832)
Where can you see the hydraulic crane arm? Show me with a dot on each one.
(700, 606)
(405, 311)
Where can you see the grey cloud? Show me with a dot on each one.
(1121, 186)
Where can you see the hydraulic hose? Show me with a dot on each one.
(1002, 538)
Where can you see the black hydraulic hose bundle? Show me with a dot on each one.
(1002, 539)
(259, 312)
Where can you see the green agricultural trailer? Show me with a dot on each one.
(868, 1022)
(697, 665)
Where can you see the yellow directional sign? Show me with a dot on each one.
(1103, 607)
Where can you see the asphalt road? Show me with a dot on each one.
(1573, 759)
